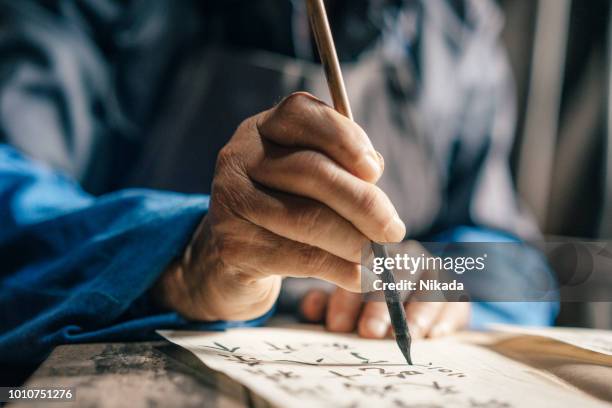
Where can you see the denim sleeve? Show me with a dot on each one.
(77, 268)
(521, 313)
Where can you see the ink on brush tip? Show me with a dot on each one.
(403, 341)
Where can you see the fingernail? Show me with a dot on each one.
(340, 322)
(376, 327)
(396, 230)
(381, 160)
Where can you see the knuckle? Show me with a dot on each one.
(351, 136)
(318, 169)
(248, 127)
(367, 201)
(309, 221)
(288, 120)
(230, 198)
(226, 159)
(265, 122)
(295, 103)
(313, 258)
(296, 112)
(356, 138)
(370, 206)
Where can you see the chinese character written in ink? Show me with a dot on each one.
(262, 373)
(287, 374)
(448, 371)
(370, 390)
(334, 345)
(250, 361)
(403, 374)
(221, 347)
(276, 376)
(448, 390)
(366, 360)
(492, 403)
(401, 404)
(286, 349)
(383, 372)
(380, 370)
(338, 346)
(316, 363)
(345, 376)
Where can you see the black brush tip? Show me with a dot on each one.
(403, 342)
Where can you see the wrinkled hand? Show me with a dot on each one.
(293, 195)
(343, 311)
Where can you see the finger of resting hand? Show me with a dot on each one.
(304, 220)
(311, 174)
(301, 120)
(421, 316)
(313, 305)
(342, 311)
(452, 317)
(374, 321)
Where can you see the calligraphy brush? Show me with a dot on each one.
(329, 59)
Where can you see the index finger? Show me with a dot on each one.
(301, 120)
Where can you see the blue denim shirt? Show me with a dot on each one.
(77, 268)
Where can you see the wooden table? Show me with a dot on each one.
(149, 374)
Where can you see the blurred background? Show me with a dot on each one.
(562, 161)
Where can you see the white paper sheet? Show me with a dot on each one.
(306, 368)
